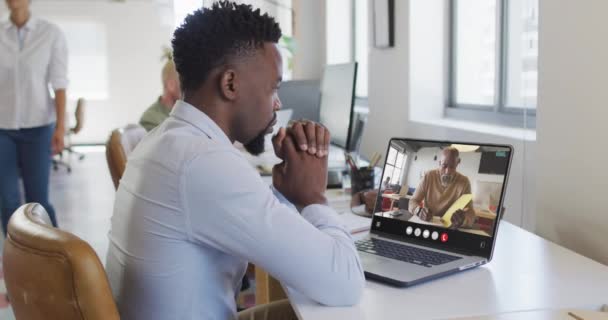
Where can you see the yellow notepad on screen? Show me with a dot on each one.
(458, 205)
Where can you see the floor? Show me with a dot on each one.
(83, 200)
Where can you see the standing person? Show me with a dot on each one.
(33, 55)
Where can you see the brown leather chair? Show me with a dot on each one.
(116, 157)
(118, 147)
(52, 274)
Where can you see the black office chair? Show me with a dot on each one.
(69, 147)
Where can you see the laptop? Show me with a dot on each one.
(405, 245)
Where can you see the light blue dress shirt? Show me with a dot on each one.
(190, 212)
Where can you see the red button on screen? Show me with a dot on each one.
(444, 237)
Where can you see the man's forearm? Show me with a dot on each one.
(470, 217)
(413, 203)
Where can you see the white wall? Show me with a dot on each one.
(309, 34)
(407, 89)
(572, 176)
(469, 166)
(135, 32)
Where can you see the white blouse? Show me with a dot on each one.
(31, 59)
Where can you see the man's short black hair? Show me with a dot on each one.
(209, 37)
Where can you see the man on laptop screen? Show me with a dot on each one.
(440, 214)
(442, 187)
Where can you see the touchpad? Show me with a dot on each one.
(369, 260)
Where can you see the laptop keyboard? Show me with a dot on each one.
(422, 257)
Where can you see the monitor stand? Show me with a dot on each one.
(334, 178)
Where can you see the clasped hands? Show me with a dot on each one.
(302, 175)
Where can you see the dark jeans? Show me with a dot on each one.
(25, 153)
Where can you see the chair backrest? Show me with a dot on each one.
(79, 115)
(118, 147)
(52, 274)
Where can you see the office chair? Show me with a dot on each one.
(69, 147)
(118, 147)
(52, 274)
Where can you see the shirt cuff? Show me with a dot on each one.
(282, 198)
(59, 84)
(322, 216)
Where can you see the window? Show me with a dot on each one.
(394, 166)
(347, 37)
(88, 58)
(181, 8)
(494, 53)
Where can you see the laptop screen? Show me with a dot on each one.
(443, 194)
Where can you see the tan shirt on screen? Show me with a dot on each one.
(438, 198)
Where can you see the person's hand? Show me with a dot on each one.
(310, 137)
(57, 144)
(369, 198)
(301, 177)
(366, 197)
(425, 214)
(457, 219)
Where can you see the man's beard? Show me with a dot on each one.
(446, 179)
(256, 146)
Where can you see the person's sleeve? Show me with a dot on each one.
(282, 199)
(146, 121)
(470, 217)
(231, 209)
(58, 67)
(419, 194)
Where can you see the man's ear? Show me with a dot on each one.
(229, 84)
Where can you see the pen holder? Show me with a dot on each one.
(362, 179)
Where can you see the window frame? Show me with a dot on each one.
(393, 165)
(361, 101)
(498, 113)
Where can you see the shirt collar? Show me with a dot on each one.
(29, 25)
(188, 113)
(7, 23)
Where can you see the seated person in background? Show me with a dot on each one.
(159, 110)
(387, 183)
(191, 211)
(440, 188)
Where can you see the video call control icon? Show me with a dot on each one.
(426, 234)
(409, 230)
(435, 235)
(417, 232)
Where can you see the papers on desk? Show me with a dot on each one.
(354, 223)
(458, 205)
(438, 223)
(434, 222)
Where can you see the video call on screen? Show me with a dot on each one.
(443, 180)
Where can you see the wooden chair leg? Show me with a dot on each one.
(267, 288)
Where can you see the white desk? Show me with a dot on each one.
(527, 273)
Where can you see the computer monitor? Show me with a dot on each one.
(337, 102)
